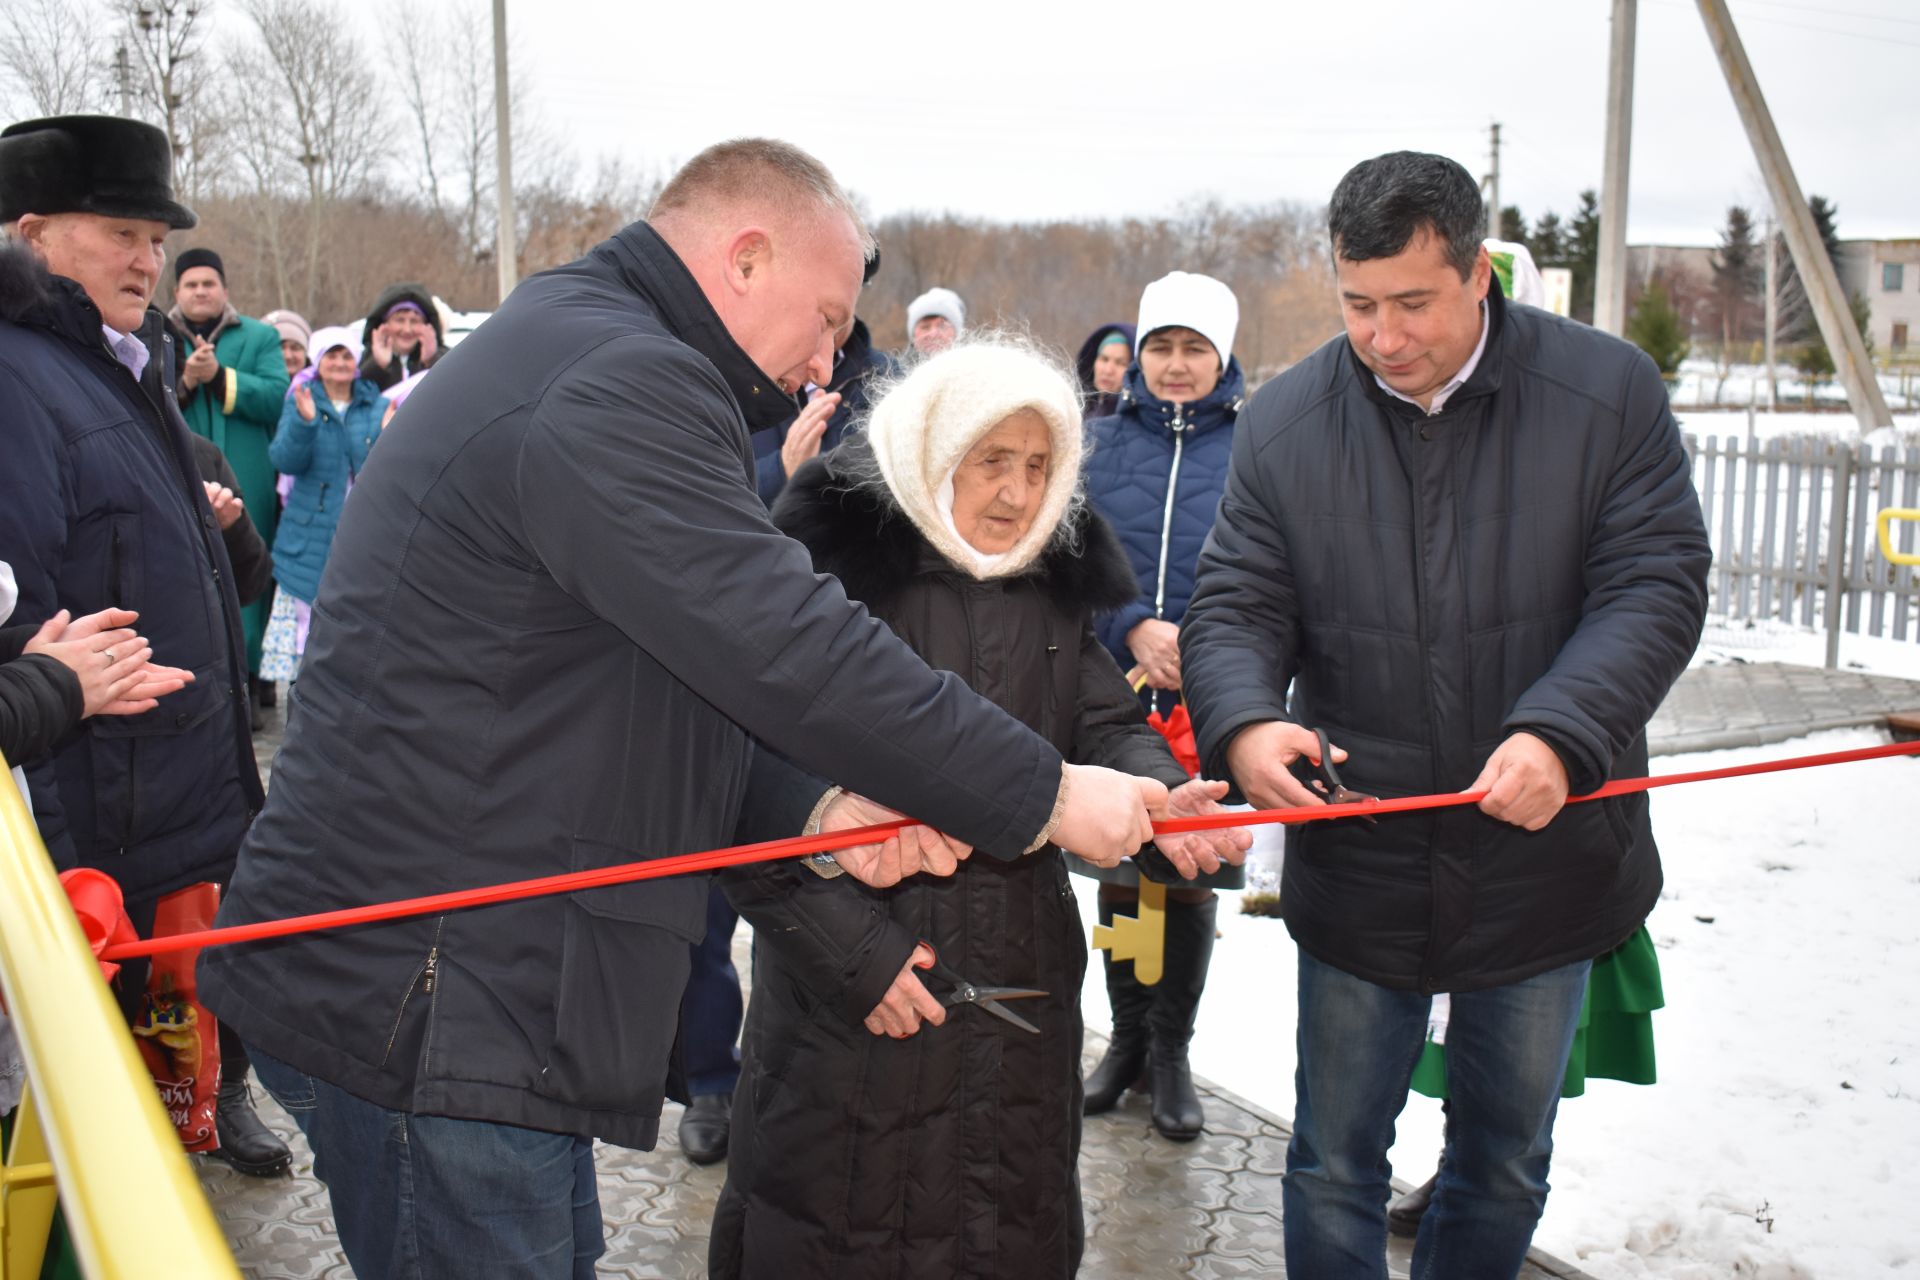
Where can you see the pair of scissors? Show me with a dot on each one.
(985, 998)
(1336, 791)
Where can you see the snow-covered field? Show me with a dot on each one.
(1700, 384)
(1783, 1139)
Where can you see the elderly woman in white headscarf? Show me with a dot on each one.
(877, 1132)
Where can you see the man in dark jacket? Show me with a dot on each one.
(101, 506)
(553, 616)
(1466, 536)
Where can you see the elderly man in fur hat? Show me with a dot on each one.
(232, 383)
(102, 507)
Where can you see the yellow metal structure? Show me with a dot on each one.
(133, 1205)
(1142, 940)
(1887, 518)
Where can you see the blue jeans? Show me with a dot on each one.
(711, 1009)
(422, 1197)
(1506, 1054)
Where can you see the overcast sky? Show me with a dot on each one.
(1040, 109)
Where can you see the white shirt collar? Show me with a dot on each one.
(1458, 380)
(128, 350)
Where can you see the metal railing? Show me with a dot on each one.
(92, 1124)
(1794, 530)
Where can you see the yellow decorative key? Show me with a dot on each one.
(1142, 940)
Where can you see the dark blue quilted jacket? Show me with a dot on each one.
(1136, 456)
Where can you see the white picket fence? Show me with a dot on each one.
(1792, 523)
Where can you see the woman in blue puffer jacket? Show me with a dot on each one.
(1156, 470)
(327, 427)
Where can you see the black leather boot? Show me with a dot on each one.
(705, 1127)
(245, 1141)
(1177, 1113)
(1125, 1065)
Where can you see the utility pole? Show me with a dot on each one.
(1610, 274)
(1491, 183)
(123, 70)
(1830, 309)
(506, 239)
(1773, 315)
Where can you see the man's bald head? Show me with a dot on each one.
(777, 248)
(756, 179)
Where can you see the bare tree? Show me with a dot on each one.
(53, 55)
(328, 110)
(172, 80)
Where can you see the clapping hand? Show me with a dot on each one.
(804, 436)
(201, 365)
(303, 401)
(226, 504)
(113, 664)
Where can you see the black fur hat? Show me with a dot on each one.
(89, 164)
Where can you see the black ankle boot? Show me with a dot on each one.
(245, 1142)
(1177, 1113)
(1125, 1065)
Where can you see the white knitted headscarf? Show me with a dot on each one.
(926, 424)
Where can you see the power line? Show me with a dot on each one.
(1825, 12)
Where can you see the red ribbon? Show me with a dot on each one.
(798, 846)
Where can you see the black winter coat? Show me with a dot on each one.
(1531, 558)
(101, 505)
(552, 616)
(951, 1153)
(40, 699)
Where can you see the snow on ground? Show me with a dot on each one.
(1731, 424)
(1699, 383)
(1771, 641)
(1783, 1140)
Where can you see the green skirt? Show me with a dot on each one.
(1615, 1037)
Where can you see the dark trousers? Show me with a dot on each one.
(711, 1010)
(432, 1198)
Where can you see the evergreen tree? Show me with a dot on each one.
(1655, 328)
(1738, 277)
(1797, 323)
(1549, 241)
(1583, 253)
(1513, 227)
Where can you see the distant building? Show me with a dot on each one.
(1887, 274)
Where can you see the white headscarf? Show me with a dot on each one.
(924, 427)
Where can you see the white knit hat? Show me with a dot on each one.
(1199, 303)
(924, 427)
(330, 336)
(938, 302)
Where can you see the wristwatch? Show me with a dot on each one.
(823, 865)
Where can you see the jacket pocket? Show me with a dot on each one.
(125, 566)
(677, 904)
(180, 712)
(615, 1011)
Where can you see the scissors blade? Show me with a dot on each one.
(993, 1006)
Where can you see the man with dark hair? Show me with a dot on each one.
(1464, 539)
(554, 623)
(233, 380)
